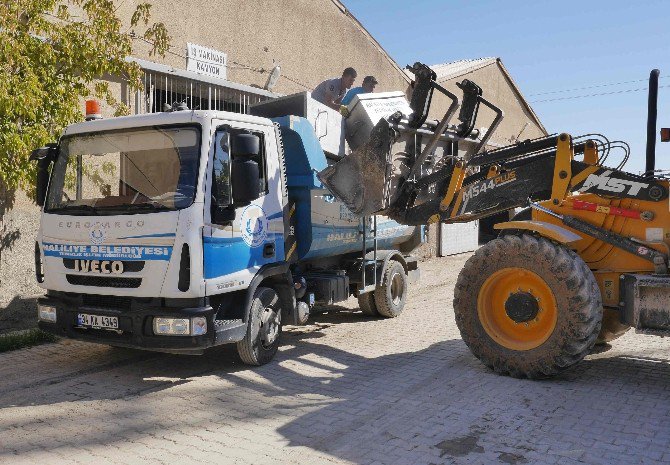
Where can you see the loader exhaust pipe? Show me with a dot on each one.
(652, 111)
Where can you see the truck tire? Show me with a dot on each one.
(527, 307)
(366, 302)
(390, 297)
(264, 328)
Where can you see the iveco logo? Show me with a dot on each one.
(97, 235)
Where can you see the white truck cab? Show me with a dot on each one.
(183, 230)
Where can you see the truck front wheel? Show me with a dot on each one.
(264, 328)
(390, 297)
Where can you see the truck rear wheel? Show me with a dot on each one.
(391, 295)
(264, 328)
(527, 307)
(366, 302)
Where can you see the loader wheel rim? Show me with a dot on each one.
(517, 308)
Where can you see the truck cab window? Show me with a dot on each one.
(221, 170)
(262, 165)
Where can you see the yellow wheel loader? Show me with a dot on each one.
(583, 261)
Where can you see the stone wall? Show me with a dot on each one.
(313, 40)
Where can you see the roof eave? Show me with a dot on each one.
(522, 98)
(376, 44)
(470, 69)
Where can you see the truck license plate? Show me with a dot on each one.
(97, 321)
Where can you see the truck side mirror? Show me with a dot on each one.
(245, 180)
(245, 145)
(42, 181)
(223, 215)
(44, 156)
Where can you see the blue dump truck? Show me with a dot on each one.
(183, 230)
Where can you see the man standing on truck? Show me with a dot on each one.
(331, 91)
(368, 87)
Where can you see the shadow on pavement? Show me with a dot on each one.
(20, 313)
(437, 404)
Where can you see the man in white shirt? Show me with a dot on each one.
(331, 91)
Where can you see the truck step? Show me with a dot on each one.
(368, 288)
(229, 330)
(218, 324)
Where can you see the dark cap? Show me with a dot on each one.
(370, 79)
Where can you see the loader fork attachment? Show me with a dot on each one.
(422, 94)
(468, 114)
(359, 179)
(406, 161)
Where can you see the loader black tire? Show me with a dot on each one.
(391, 295)
(508, 332)
(264, 328)
(366, 303)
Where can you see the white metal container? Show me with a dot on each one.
(328, 124)
(458, 238)
(365, 111)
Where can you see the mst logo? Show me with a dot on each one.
(610, 184)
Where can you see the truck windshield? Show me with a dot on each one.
(127, 171)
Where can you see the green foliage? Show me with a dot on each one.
(21, 339)
(52, 55)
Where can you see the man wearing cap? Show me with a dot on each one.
(368, 87)
(331, 91)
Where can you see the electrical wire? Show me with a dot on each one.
(590, 87)
(596, 94)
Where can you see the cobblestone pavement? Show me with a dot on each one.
(345, 389)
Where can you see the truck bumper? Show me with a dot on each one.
(136, 323)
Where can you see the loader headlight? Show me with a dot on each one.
(196, 326)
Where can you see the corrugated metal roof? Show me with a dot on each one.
(458, 68)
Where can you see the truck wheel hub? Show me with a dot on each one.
(270, 322)
(521, 307)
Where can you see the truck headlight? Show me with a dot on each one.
(198, 326)
(195, 326)
(46, 313)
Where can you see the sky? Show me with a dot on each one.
(547, 46)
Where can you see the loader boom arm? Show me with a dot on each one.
(513, 176)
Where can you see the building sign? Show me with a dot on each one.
(203, 60)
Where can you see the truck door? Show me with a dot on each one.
(239, 239)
